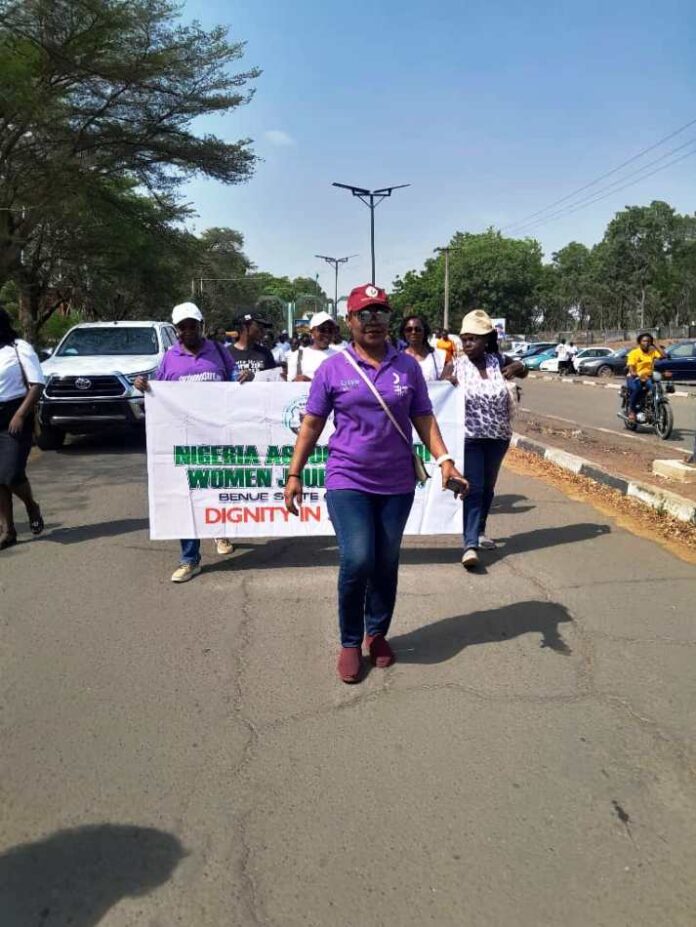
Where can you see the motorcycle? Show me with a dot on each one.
(653, 407)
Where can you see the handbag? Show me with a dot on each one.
(27, 386)
(21, 368)
(419, 467)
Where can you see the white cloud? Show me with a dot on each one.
(279, 138)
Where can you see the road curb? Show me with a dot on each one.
(574, 381)
(654, 496)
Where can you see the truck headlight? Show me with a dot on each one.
(132, 377)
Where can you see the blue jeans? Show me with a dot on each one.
(190, 551)
(482, 460)
(636, 387)
(369, 529)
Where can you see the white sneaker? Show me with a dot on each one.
(470, 560)
(185, 571)
(486, 543)
(224, 546)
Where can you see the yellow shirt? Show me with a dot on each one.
(642, 361)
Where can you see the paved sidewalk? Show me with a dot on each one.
(187, 755)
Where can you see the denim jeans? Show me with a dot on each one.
(635, 390)
(369, 529)
(482, 460)
(190, 551)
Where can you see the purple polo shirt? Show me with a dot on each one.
(213, 363)
(366, 452)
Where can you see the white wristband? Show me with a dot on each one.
(442, 458)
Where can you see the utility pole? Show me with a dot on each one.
(372, 199)
(334, 262)
(445, 314)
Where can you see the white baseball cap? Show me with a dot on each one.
(319, 318)
(186, 311)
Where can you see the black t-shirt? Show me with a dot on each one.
(254, 358)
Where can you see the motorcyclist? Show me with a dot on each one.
(641, 361)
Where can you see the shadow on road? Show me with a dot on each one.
(511, 504)
(73, 878)
(321, 551)
(542, 538)
(104, 529)
(442, 640)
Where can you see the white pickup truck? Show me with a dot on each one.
(90, 376)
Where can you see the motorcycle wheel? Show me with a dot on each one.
(664, 421)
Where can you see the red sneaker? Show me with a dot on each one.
(381, 654)
(350, 664)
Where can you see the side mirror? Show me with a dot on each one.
(45, 353)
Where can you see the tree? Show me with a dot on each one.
(487, 271)
(566, 288)
(221, 276)
(635, 262)
(98, 91)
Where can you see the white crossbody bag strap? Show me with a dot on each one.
(375, 392)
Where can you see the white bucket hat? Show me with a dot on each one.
(477, 322)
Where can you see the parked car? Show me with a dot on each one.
(90, 376)
(551, 365)
(611, 365)
(534, 361)
(533, 350)
(680, 362)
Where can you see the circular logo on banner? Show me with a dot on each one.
(371, 291)
(294, 412)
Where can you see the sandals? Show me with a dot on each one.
(36, 524)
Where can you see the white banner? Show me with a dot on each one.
(217, 458)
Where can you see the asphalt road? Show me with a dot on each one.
(185, 755)
(593, 406)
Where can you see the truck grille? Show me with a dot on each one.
(84, 387)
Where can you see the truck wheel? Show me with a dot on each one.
(49, 438)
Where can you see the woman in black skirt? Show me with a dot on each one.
(21, 383)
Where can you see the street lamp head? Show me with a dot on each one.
(356, 191)
(387, 191)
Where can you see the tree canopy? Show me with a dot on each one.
(641, 274)
(98, 100)
(487, 271)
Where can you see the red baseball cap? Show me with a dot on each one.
(368, 295)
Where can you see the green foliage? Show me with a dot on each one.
(487, 271)
(97, 123)
(642, 273)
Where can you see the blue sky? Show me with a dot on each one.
(491, 110)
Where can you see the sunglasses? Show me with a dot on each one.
(413, 328)
(367, 315)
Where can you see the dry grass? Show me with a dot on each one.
(677, 536)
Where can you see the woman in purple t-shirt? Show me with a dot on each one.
(370, 477)
(193, 359)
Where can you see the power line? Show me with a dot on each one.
(598, 194)
(597, 180)
(596, 199)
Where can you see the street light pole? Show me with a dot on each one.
(445, 314)
(372, 199)
(334, 262)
